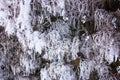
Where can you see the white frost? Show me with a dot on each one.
(58, 71)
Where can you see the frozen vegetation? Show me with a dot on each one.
(59, 40)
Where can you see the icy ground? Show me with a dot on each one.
(58, 40)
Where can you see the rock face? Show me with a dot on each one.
(59, 40)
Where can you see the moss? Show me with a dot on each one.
(93, 75)
(53, 18)
(89, 25)
(114, 66)
(65, 59)
(37, 72)
(81, 33)
(35, 28)
(44, 62)
(76, 63)
(76, 67)
(80, 54)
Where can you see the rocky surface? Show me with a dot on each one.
(59, 40)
